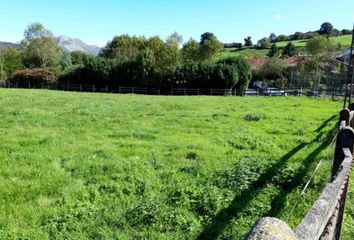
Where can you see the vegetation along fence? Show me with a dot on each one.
(324, 219)
(316, 92)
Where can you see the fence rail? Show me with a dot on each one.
(324, 219)
(330, 92)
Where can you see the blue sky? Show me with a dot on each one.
(97, 21)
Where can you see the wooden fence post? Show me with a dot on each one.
(344, 116)
(345, 139)
(351, 107)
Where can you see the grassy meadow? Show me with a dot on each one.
(246, 53)
(344, 40)
(102, 166)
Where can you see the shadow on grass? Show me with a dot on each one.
(241, 201)
(325, 123)
(278, 203)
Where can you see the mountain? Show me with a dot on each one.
(9, 45)
(69, 44)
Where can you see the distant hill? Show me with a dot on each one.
(9, 44)
(69, 44)
(344, 40)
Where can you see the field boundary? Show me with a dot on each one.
(310, 92)
(325, 218)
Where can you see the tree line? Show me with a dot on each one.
(133, 61)
(124, 61)
(326, 29)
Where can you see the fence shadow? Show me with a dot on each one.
(325, 123)
(241, 201)
(278, 203)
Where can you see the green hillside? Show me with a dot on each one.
(345, 41)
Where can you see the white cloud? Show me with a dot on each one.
(277, 17)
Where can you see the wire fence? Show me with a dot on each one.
(334, 93)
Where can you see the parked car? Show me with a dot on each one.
(273, 92)
(312, 93)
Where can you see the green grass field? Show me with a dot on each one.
(100, 166)
(345, 41)
(246, 53)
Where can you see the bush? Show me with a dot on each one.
(32, 77)
(231, 73)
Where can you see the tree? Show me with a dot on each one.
(190, 51)
(272, 37)
(10, 62)
(263, 43)
(146, 63)
(346, 32)
(318, 45)
(326, 29)
(123, 48)
(336, 33)
(289, 50)
(310, 35)
(274, 72)
(41, 53)
(233, 45)
(35, 31)
(166, 55)
(282, 38)
(41, 49)
(244, 71)
(226, 75)
(3, 75)
(175, 38)
(209, 46)
(66, 62)
(238, 45)
(248, 42)
(298, 36)
(206, 36)
(80, 58)
(274, 51)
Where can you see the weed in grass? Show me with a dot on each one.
(251, 117)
